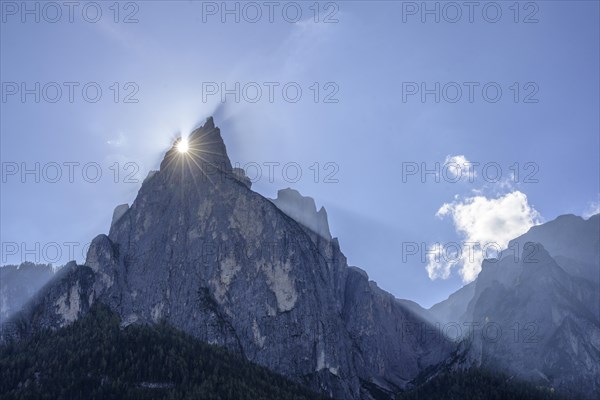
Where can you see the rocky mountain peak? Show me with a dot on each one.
(201, 251)
(205, 151)
(304, 210)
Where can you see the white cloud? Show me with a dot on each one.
(483, 224)
(459, 168)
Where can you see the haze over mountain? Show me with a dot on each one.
(201, 251)
(18, 284)
(536, 311)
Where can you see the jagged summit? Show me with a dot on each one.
(206, 151)
(304, 210)
(203, 160)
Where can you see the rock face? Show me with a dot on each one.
(64, 299)
(118, 212)
(200, 250)
(536, 310)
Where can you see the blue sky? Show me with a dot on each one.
(176, 51)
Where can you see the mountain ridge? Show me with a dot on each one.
(265, 279)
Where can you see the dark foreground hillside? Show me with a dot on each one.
(478, 384)
(94, 358)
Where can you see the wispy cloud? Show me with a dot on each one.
(119, 141)
(593, 208)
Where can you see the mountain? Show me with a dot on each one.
(202, 253)
(535, 311)
(18, 284)
(199, 250)
(572, 241)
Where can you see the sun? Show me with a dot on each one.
(182, 146)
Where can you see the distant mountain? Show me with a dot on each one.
(536, 310)
(18, 284)
(572, 241)
(263, 278)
